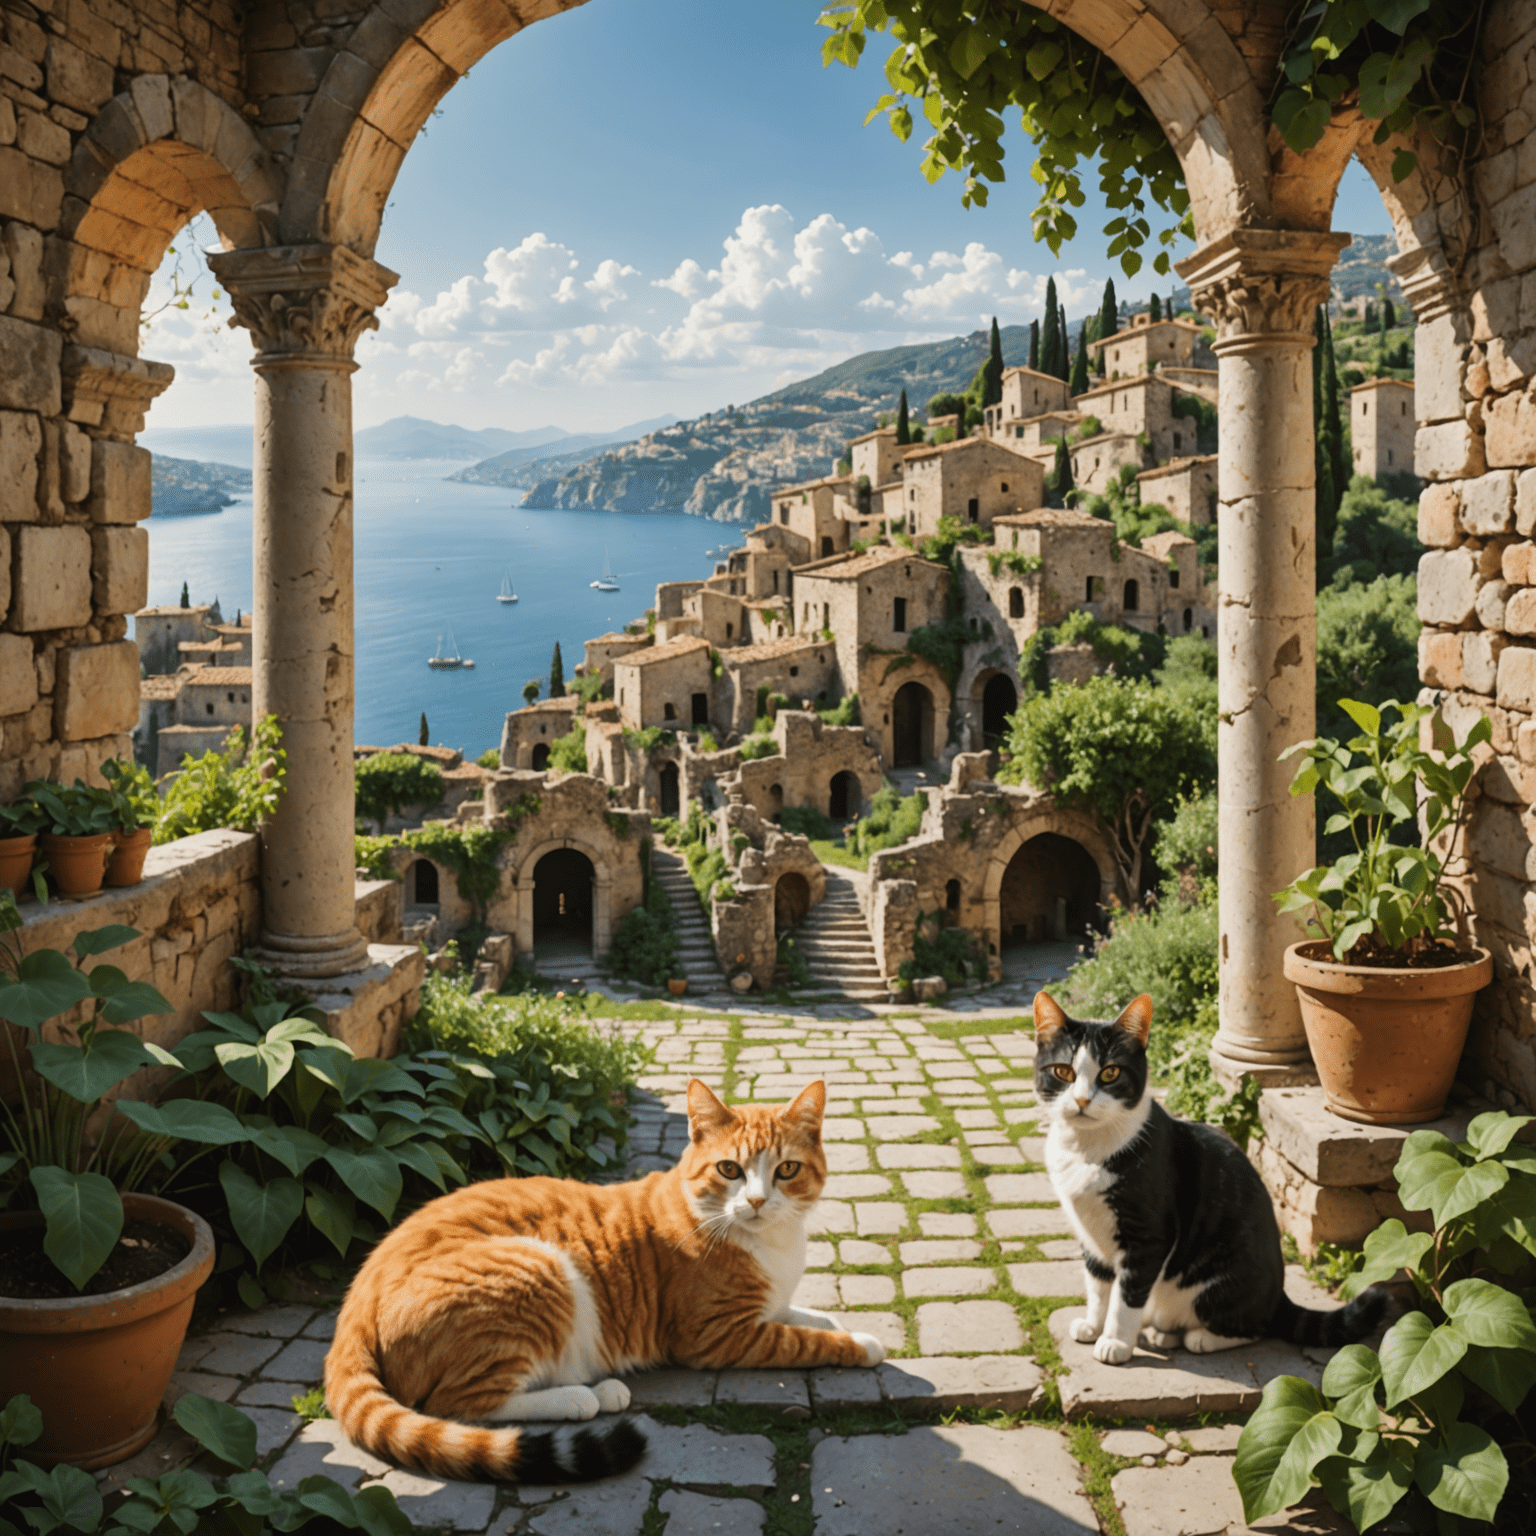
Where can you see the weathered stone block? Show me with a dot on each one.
(1488, 502)
(1333, 1152)
(1480, 654)
(1520, 613)
(1437, 517)
(119, 569)
(1447, 586)
(76, 78)
(18, 677)
(74, 462)
(21, 440)
(97, 691)
(1440, 658)
(1517, 678)
(120, 482)
(1449, 451)
(52, 576)
(1510, 421)
(1525, 502)
(24, 246)
(1515, 562)
(1492, 601)
(29, 366)
(1437, 356)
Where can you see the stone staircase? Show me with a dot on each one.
(695, 943)
(835, 941)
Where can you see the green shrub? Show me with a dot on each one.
(645, 943)
(807, 821)
(1187, 840)
(387, 782)
(648, 740)
(707, 867)
(239, 787)
(844, 712)
(758, 746)
(889, 821)
(490, 759)
(791, 960)
(707, 742)
(569, 753)
(952, 955)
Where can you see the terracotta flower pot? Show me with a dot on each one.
(677, 986)
(98, 1366)
(1386, 1042)
(126, 866)
(77, 864)
(16, 862)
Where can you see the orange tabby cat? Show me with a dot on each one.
(522, 1299)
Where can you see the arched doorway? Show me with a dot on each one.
(911, 726)
(791, 901)
(999, 699)
(669, 795)
(540, 756)
(845, 798)
(1049, 891)
(562, 897)
(421, 887)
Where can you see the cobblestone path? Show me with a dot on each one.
(939, 1234)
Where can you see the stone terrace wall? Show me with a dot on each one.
(1476, 445)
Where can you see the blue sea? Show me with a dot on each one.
(430, 556)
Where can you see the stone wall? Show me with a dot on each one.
(944, 481)
(810, 755)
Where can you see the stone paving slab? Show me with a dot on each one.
(1170, 1384)
(697, 1514)
(950, 1280)
(677, 1388)
(1020, 1188)
(763, 1389)
(1028, 1221)
(980, 1381)
(1197, 1499)
(955, 1480)
(836, 1386)
(1133, 1442)
(967, 1327)
(1049, 1277)
(936, 1186)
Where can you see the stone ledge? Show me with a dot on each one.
(366, 1009)
(1339, 1153)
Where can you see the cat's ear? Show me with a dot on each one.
(807, 1107)
(705, 1112)
(1049, 1017)
(1137, 1018)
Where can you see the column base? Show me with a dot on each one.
(315, 958)
(1230, 1071)
(367, 1008)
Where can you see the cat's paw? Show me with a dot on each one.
(1201, 1341)
(1112, 1351)
(874, 1350)
(569, 1403)
(612, 1396)
(1083, 1331)
(1158, 1339)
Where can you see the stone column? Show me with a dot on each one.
(305, 307)
(1262, 287)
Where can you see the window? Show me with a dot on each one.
(728, 631)
(912, 494)
(1132, 595)
(775, 583)
(1405, 408)
(701, 709)
(952, 895)
(1015, 602)
(1005, 485)
(1389, 455)
(1088, 595)
(973, 509)
(826, 616)
(621, 695)
(899, 618)
(1365, 407)
(794, 671)
(668, 712)
(1173, 576)
(1178, 441)
(784, 512)
(231, 698)
(1018, 431)
(1189, 620)
(826, 546)
(210, 709)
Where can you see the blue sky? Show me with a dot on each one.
(644, 206)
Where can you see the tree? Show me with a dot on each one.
(949, 404)
(1367, 648)
(993, 393)
(1079, 384)
(1376, 535)
(1109, 320)
(1339, 455)
(1050, 334)
(1369, 318)
(1034, 345)
(1061, 471)
(1063, 346)
(531, 690)
(556, 674)
(186, 599)
(1157, 307)
(903, 423)
(1388, 315)
(1126, 750)
(424, 735)
(1325, 499)
(390, 781)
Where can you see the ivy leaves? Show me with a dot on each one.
(963, 63)
(1386, 52)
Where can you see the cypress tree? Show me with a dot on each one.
(903, 423)
(1034, 345)
(556, 674)
(1388, 315)
(1157, 307)
(1340, 464)
(1061, 471)
(1326, 501)
(1079, 385)
(1063, 346)
(424, 735)
(1109, 320)
(186, 600)
(1050, 333)
(992, 393)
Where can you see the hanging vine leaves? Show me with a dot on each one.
(963, 63)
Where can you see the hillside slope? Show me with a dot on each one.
(179, 486)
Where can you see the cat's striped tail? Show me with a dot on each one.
(374, 1420)
(1348, 1324)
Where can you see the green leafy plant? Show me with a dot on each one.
(645, 942)
(387, 782)
(134, 801)
(707, 742)
(807, 821)
(797, 973)
(52, 1155)
(1438, 1408)
(74, 810)
(179, 1502)
(1014, 562)
(844, 712)
(490, 759)
(568, 754)
(951, 953)
(24, 819)
(239, 787)
(889, 821)
(757, 746)
(1384, 899)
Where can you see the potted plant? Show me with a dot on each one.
(136, 807)
(96, 1279)
(1386, 989)
(677, 985)
(19, 826)
(78, 839)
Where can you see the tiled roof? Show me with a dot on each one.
(1175, 466)
(1053, 517)
(851, 567)
(670, 651)
(163, 686)
(221, 677)
(768, 650)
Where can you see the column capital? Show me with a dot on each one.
(306, 303)
(1262, 284)
(1429, 284)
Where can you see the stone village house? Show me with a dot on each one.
(288, 124)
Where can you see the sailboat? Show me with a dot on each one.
(606, 582)
(506, 595)
(452, 661)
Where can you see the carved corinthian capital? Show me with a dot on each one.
(303, 301)
(1257, 283)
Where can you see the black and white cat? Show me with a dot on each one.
(1177, 1229)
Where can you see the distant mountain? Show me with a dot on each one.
(228, 444)
(523, 467)
(1363, 264)
(180, 486)
(410, 437)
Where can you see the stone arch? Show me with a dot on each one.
(540, 759)
(1076, 826)
(791, 900)
(997, 696)
(524, 878)
(669, 796)
(912, 719)
(565, 883)
(423, 884)
(845, 796)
